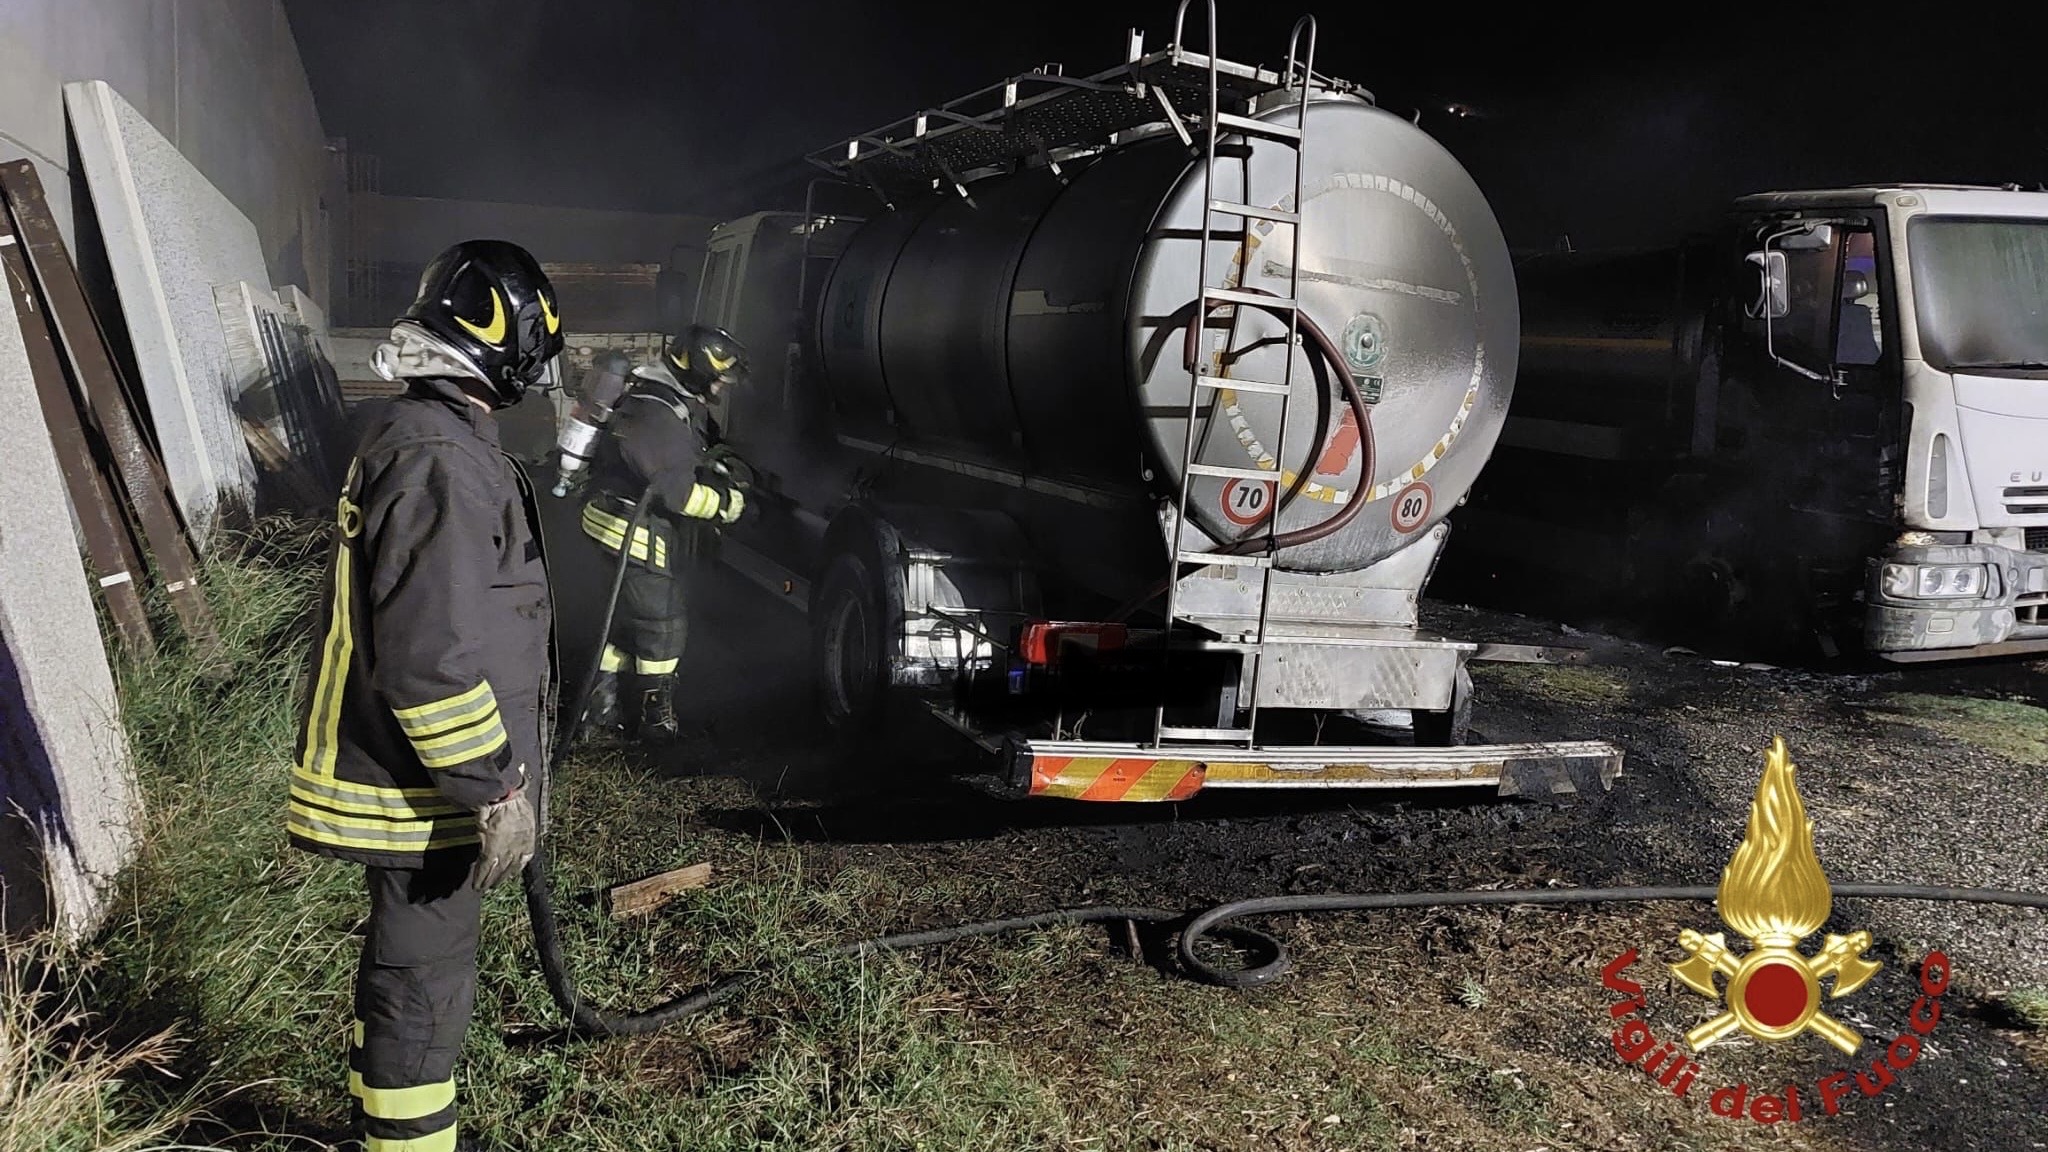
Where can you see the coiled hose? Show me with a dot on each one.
(1324, 357)
(587, 1019)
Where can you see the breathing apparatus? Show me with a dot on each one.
(603, 385)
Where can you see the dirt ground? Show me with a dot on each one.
(1461, 1028)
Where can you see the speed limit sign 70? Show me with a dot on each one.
(1247, 502)
(1411, 507)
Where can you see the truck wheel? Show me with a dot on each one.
(848, 636)
(868, 719)
(1451, 727)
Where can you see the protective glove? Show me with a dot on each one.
(727, 463)
(507, 828)
(735, 505)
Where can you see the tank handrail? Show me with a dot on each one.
(1308, 63)
(1180, 19)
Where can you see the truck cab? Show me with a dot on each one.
(1824, 425)
(1896, 344)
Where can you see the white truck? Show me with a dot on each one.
(1828, 423)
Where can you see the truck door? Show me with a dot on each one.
(718, 295)
(1821, 370)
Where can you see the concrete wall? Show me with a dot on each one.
(395, 236)
(221, 79)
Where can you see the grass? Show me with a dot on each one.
(2029, 1006)
(66, 1086)
(222, 931)
(1561, 683)
(2009, 728)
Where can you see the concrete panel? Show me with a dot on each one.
(288, 399)
(63, 756)
(239, 304)
(303, 310)
(171, 237)
(221, 79)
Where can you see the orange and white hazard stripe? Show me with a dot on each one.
(1114, 778)
(1128, 773)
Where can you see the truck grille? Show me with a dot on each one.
(2027, 501)
(2037, 539)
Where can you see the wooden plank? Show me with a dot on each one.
(643, 896)
(141, 473)
(113, 555)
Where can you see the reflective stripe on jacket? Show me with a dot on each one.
(654, 436)
(432, 660)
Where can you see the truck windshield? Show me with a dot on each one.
(1981, 288)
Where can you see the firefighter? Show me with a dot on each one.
(660, 431)
(421, 738)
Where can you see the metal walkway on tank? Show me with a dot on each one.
(1046, 117)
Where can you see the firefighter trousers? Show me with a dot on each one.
(414, 990)
(650, 623)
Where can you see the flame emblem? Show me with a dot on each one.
(1774, 895)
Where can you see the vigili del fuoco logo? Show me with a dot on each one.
(1773, 897)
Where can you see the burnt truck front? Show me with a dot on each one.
(1968, 573)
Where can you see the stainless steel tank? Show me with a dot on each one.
(1033, 329)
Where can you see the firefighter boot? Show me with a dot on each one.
(658, 723)
(602, 713)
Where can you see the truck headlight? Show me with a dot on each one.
(1933, 581)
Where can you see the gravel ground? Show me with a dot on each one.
(1896, 795)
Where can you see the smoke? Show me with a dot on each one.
(1640, 155)
(1608, 130)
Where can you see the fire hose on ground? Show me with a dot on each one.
(587, 1019)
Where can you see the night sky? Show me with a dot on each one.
(1611, 132)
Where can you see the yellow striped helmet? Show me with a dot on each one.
(490, 299)
(703, 355)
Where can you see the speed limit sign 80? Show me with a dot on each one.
(1411, 507)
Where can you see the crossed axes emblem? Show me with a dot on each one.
(1761, 996)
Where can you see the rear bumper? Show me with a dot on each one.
(1089, 770)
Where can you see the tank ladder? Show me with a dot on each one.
(1204, 385)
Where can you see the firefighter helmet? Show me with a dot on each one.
(703, 356)
(490, 300)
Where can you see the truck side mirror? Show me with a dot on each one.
(1772, 300)
(1809, 238)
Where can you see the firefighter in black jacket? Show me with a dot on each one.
(423, 734)
(660, 431)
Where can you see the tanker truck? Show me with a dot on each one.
(1824, 429)
(1111, 424)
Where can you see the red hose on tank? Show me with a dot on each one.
(1333, 357)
